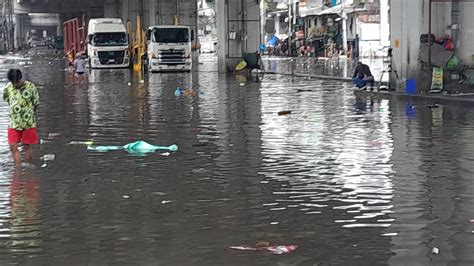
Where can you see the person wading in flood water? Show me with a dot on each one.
(23, 99)
(80, 69)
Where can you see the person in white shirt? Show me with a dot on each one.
(80, 68)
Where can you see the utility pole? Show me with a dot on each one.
(263, 20)
(344, 28)
(290, 26)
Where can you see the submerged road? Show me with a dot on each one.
(350, 180)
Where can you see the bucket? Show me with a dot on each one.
(410, 86)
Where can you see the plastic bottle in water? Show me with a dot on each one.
(48, 157)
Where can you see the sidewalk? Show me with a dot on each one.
(336, 69)
(342, 70)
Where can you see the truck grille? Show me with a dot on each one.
(172, 56)
(111, 57)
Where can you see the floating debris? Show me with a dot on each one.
(88, 142)
(48, 157)
(284, 113)
(54, 135)
(277, 250)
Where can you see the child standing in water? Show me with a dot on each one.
(23, 99)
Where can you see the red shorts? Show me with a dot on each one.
(26, 136)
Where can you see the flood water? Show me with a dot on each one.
(350, 180)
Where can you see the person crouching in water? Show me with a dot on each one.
(23, 99)
(79, 68)
(362, 76)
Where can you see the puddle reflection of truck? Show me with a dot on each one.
(169, 48)
(104, 41)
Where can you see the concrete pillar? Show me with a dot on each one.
(243, 18)
(222, 35)
(152, 6)
(18, 31)
(112, 9)
(384, 23)
(408, 21)
(125, 11)
(59, 30)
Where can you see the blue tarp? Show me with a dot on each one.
(273, 41)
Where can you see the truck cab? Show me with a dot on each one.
(108, 45)
(169, 48)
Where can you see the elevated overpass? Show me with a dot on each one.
(239, 21)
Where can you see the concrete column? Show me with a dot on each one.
(243, 18)
(152, 6)
(59, 30)
(125, 11)
(384, 23)
(222, 35)
(17, 34)
(408, 22)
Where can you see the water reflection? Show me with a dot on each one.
(329, 157)
(19, 227)
(349, 178)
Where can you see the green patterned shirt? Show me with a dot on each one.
(22, 103)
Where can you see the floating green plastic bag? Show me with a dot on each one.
(135, 147)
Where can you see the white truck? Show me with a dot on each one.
(169, 48)
(108, 45)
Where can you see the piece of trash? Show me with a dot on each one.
(29, 166)
(141, 81)
(88, 142)
(126, 196)
(54, 135)
(44, 165)
(284, 113)
(135, 147)
(178, 92)
(471, 221)
(129, 84)
(48, 157)
(435, 250)
(42, 141)
(277, 250)
(166, 154)
(189, 92)
(241, 84)
(166, 201)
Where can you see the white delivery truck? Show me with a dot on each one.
(169, 48)
(108, 45)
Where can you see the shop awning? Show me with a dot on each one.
(319, 11)
(310, 11)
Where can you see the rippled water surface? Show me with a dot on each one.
(350, 179)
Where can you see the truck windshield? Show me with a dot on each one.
(171, 35)
(109, 39)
